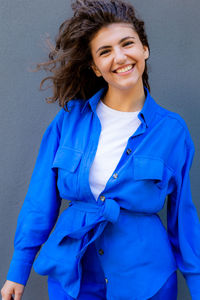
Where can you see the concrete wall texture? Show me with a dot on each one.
(172, 27)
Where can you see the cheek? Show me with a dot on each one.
(104, 64)
(141, 60)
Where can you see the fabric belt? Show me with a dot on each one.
(108, 212)
(83, 236)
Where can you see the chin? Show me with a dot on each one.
(126, 87)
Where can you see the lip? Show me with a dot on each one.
(124, 73)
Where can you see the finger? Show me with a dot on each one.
(18, 295)
(7, 297)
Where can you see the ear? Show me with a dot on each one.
(146, 52)
(96, 70)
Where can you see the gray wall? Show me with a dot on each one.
(173, 28)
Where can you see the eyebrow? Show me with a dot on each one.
(122, 40)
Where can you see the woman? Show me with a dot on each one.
(115, 154)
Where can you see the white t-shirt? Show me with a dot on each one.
(117, 127)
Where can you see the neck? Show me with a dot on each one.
(125, 100)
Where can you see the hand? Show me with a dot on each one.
(11, 288)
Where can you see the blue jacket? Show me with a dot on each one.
(138, 252)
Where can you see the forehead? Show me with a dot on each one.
(113, 32)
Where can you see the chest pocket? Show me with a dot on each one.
(66, 162)
(149, 182)
(149, 169)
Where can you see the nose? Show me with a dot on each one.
(119, 56)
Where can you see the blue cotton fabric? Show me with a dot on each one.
(93, 285)
(98, 292)
(139, 254)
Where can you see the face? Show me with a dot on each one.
(119, 56)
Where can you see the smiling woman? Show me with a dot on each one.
(119, 57)
(117, 155)
(93, 25)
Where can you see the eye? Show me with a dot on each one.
(128, 43)
(104, 52)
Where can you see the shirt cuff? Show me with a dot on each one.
(20, 266)
(193, 282)
(19, 271)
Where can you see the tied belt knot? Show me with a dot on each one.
(107, 212)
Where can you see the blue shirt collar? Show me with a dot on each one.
(93, 100)
(145, 114)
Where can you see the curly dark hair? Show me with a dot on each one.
(70, 60)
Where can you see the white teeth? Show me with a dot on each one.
(125, 69)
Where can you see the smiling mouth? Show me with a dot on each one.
(124, 69)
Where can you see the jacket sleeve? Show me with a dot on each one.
(39, 211)
(183, 222)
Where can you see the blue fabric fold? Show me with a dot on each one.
(108, 212)
(83, 236)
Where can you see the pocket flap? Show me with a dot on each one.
(67, 158)
(148, 168)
